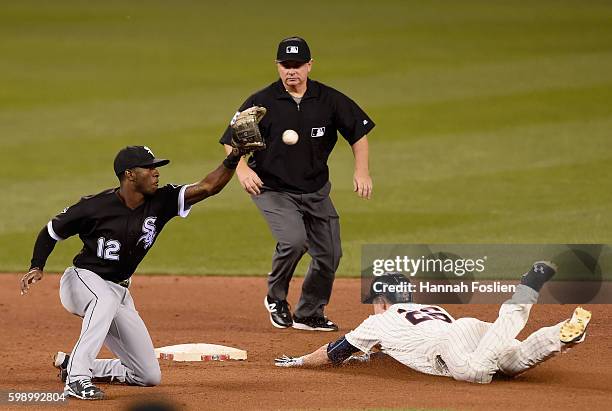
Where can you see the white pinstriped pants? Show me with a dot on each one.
(475, 350)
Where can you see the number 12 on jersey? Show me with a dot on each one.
(108, 249)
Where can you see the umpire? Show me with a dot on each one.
(289, 183)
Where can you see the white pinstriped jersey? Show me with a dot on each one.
(429, 340)
(410, 333)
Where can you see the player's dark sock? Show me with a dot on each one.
(540, 273)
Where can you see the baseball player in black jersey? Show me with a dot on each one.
(118, 227)
(289, 181)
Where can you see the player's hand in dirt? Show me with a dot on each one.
(249, 180)
(286, 361)
(30, 278)
(360, 358)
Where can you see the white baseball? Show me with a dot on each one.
(290, 137)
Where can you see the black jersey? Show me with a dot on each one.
(319, 116)
(115, 237)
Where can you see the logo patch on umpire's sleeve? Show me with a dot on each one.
(317, 132)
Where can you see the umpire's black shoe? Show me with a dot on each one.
(60, 361)
(314, 324)
(83, 390)
(541, 272)
(280, 314)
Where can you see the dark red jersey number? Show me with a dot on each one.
(425, 314)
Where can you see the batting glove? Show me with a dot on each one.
(286, 361)
(358, 358)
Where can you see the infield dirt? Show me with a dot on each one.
(230, 311)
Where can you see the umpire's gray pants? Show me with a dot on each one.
(302, 223)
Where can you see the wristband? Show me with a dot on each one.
(231, 161)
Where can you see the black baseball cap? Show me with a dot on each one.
(293, 49)
(136, 156)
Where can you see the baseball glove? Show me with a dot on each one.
(246, 136)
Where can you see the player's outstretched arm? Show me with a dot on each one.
(214, 182)
(315, 359)
(333, 353)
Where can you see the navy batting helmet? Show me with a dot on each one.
(394, 287)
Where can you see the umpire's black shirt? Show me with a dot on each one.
(321, 113)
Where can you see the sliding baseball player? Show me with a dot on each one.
(428, 339)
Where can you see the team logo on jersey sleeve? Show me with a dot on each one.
(149, 232)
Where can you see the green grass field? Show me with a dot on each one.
(494, 118)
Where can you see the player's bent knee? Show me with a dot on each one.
(471, 370)
(151, 379)
(475, 376)
(479, 375)
(154, 375)
(148, 375)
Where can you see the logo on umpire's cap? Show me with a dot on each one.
(294, 49)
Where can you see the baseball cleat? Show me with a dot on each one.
(280, 314)
(83, 390)
(540, 272)
(574, 329)
(314, 324)
(60, 361)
